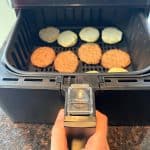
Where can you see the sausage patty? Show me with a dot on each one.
(66, 62)
(43, 57)
(90, 53)
(115, 58)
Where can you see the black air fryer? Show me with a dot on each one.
(33, 95)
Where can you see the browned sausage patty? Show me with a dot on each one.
(115, 58)
(90, 53)
(43, 56)
(66, 62)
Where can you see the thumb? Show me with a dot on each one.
(98, 141)
(101, 124)
(58, 134)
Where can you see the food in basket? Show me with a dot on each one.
(90, 53)
(114, 69)
(78, 144)
(115, 58)
(49, 34)
(67, 38)
(111, 35)
(92, 71)
(89, 34)
(66, 62)
(43, 57)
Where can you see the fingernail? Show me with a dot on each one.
(60, 114)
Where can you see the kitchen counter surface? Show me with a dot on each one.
(36, 137)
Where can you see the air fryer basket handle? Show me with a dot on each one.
(79, 106)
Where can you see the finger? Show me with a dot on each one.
(96, 142)
(60, 118)
(58, 134)
(99, 139)
(101, 124)
(108, 146)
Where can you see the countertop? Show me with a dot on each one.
(37, 137)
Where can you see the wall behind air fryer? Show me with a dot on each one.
(7, 17)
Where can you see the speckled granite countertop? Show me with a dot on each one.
(36, 137)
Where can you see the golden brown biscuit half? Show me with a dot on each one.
(92, 71)
(67, 38)
(66, 62)
(90, 53)
(43, 57)
(89, 34)
(49, 34)
(111, 35)
(115, 58)
(113, 70)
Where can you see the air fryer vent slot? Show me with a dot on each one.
(33, 80)
(107, 80)
(127, 80)
(52, 80)
(147, 80)
(10, 79)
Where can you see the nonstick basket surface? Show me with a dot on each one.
(83, 67)
(25, 40)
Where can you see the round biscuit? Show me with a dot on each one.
(89, 34)
(92, 71)
(67, 38)
(111, 35)
(49, 34)
(114, 69)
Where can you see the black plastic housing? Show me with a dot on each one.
(34, 95)
(38, 99)
(31, 3)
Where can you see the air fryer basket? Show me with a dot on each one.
(24, 39)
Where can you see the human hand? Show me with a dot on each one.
(58, 134)
(98, 141)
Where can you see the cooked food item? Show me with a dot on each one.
(111, 35)
(67, 38)
(90, 53)
(113, 70)
(115, 58)
(89, 34)
(49, 34)
(66, 62)
(43, 57)
(78, 144)
(92, 71)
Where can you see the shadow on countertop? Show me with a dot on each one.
(36, 137)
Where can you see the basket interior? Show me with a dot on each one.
(25, 38)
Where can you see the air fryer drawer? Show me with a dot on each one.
(42, 105)
(25, 39)
(124, 107)
(31, 105)
(36, 3)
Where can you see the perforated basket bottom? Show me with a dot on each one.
(83, 67)
(22, 51)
